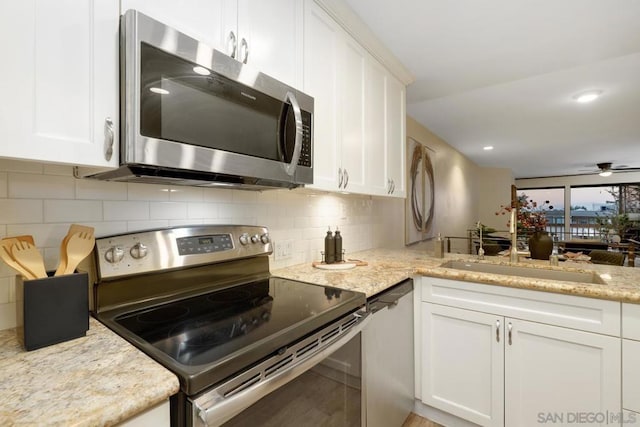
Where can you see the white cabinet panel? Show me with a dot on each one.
(631, 375)
(462, 363)
(559, 371)
(396, 136)
(274, 35)
(321, 36)
(631, 321)
(63, 78)
(376, 128)
(351, 98)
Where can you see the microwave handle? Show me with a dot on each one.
(290, 168)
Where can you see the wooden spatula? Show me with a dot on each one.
(73, 229)
(29, 257)
(5, 255)
(79, 246)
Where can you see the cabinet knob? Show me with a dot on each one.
(509, 328)
(244, 47)
(346, 179)
(497, 330)
(231, 50)
(109, 138)
(340, 178)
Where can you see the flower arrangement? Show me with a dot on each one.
(531, 216)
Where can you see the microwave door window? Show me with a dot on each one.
(182, 105)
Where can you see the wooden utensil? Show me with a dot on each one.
(73, 229)
(24, 238)
(5, 255)
(29, 257)
(78, 247)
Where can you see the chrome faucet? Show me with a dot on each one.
(480, 250)
(513, 230)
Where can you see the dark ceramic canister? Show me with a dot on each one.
(329, 248)
(540, 245)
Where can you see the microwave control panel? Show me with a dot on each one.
(305, 151)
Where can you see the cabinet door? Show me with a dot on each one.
(375, 137)
(554, 373)
(272, 31)
(62, 81)
(387, 344)
(351, 70)
(209, 21)
(321, 36)
(462, 363)
(631, 375)
(396, 139)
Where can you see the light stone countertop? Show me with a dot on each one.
(388, 267)
(96, 380)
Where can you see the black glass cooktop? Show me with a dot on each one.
(208, 337)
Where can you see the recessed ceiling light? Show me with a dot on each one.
(201, 70)
(159, 90)
(605, 173)
(588, 96)
(487, 147)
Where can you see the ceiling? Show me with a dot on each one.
(504, 73)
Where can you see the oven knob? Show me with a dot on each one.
(265, 238)
(255, 238)
(138, 251)
(114, 255)
(266, 316)
(244, 239)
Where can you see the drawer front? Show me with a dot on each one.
(631, 375)
(586, 314)
(631, 321)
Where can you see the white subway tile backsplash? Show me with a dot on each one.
(4, 290)
(167, 210)
(72, 211)
(15, 211)
(147, 225)
(3, 185)
(202, 210)
(43, 234)
(63, 170)
(7, 315)
(92, 189)
(9, 165)
(30, 186)
(217, 195)
(126, 211)
(44, 200)
(186, 194)
(148, 192)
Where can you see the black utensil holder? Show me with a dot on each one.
(52, 310)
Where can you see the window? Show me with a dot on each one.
(554, 207)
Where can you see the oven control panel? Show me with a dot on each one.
(165, 249)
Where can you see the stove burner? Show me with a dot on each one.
(229, 296)
(204, 334)
(163, 314)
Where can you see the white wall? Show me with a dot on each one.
(43, 200)
(456, 186)
(494, 189)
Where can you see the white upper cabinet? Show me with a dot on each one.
(267, 35)
(61, 81)
(359, 122)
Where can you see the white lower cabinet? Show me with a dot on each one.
(157, 416)
(501, 368)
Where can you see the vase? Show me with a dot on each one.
(540, 245)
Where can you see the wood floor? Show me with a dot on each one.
(414, 420)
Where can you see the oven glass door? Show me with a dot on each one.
(183, 102)
(328, 394)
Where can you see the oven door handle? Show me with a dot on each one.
(213, 409)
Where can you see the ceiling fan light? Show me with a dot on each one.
(588, 96)
(605, 173)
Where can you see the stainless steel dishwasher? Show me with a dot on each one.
(387, 349)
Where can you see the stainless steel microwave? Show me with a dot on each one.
(192, 115)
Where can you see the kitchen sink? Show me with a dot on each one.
(534, 273)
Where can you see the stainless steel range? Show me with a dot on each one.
(201, 301)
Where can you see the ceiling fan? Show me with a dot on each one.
(606, 169)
